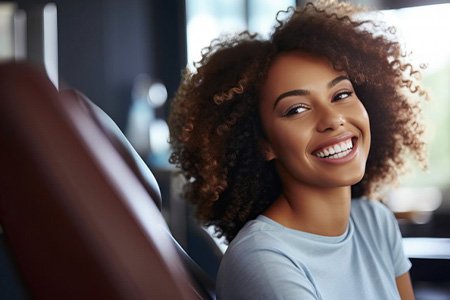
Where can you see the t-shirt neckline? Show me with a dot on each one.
(311, 236)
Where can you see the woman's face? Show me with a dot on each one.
(317, 130)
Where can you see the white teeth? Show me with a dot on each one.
(336, 151)
(339, 155)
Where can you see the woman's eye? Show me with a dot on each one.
(298, 109)
(342, 95)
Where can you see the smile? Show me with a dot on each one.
(336, 151)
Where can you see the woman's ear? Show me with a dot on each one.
(267, 150)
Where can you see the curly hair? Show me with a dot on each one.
(215, 129)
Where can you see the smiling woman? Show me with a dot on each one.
(318, 151)
(284, 141)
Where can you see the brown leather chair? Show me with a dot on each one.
(79, 209)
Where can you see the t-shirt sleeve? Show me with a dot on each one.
(262, 274)
(401, 263)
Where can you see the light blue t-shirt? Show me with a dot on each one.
(269, 261)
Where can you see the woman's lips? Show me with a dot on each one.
(337, 150)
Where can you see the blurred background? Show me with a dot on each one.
(127, 57)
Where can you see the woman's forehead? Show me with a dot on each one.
(297, 69)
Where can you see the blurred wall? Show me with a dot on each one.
(104, 44)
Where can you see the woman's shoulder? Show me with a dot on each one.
(369, 206)
(371, 213)
(257, 234)
(258, 241)
(258, 264)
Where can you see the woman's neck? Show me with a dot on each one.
(319, 211)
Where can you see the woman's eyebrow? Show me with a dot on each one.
(290, 93)
(337, 80)
(301, 92)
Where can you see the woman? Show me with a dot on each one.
(284, 141)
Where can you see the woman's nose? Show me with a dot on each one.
(329, 119)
